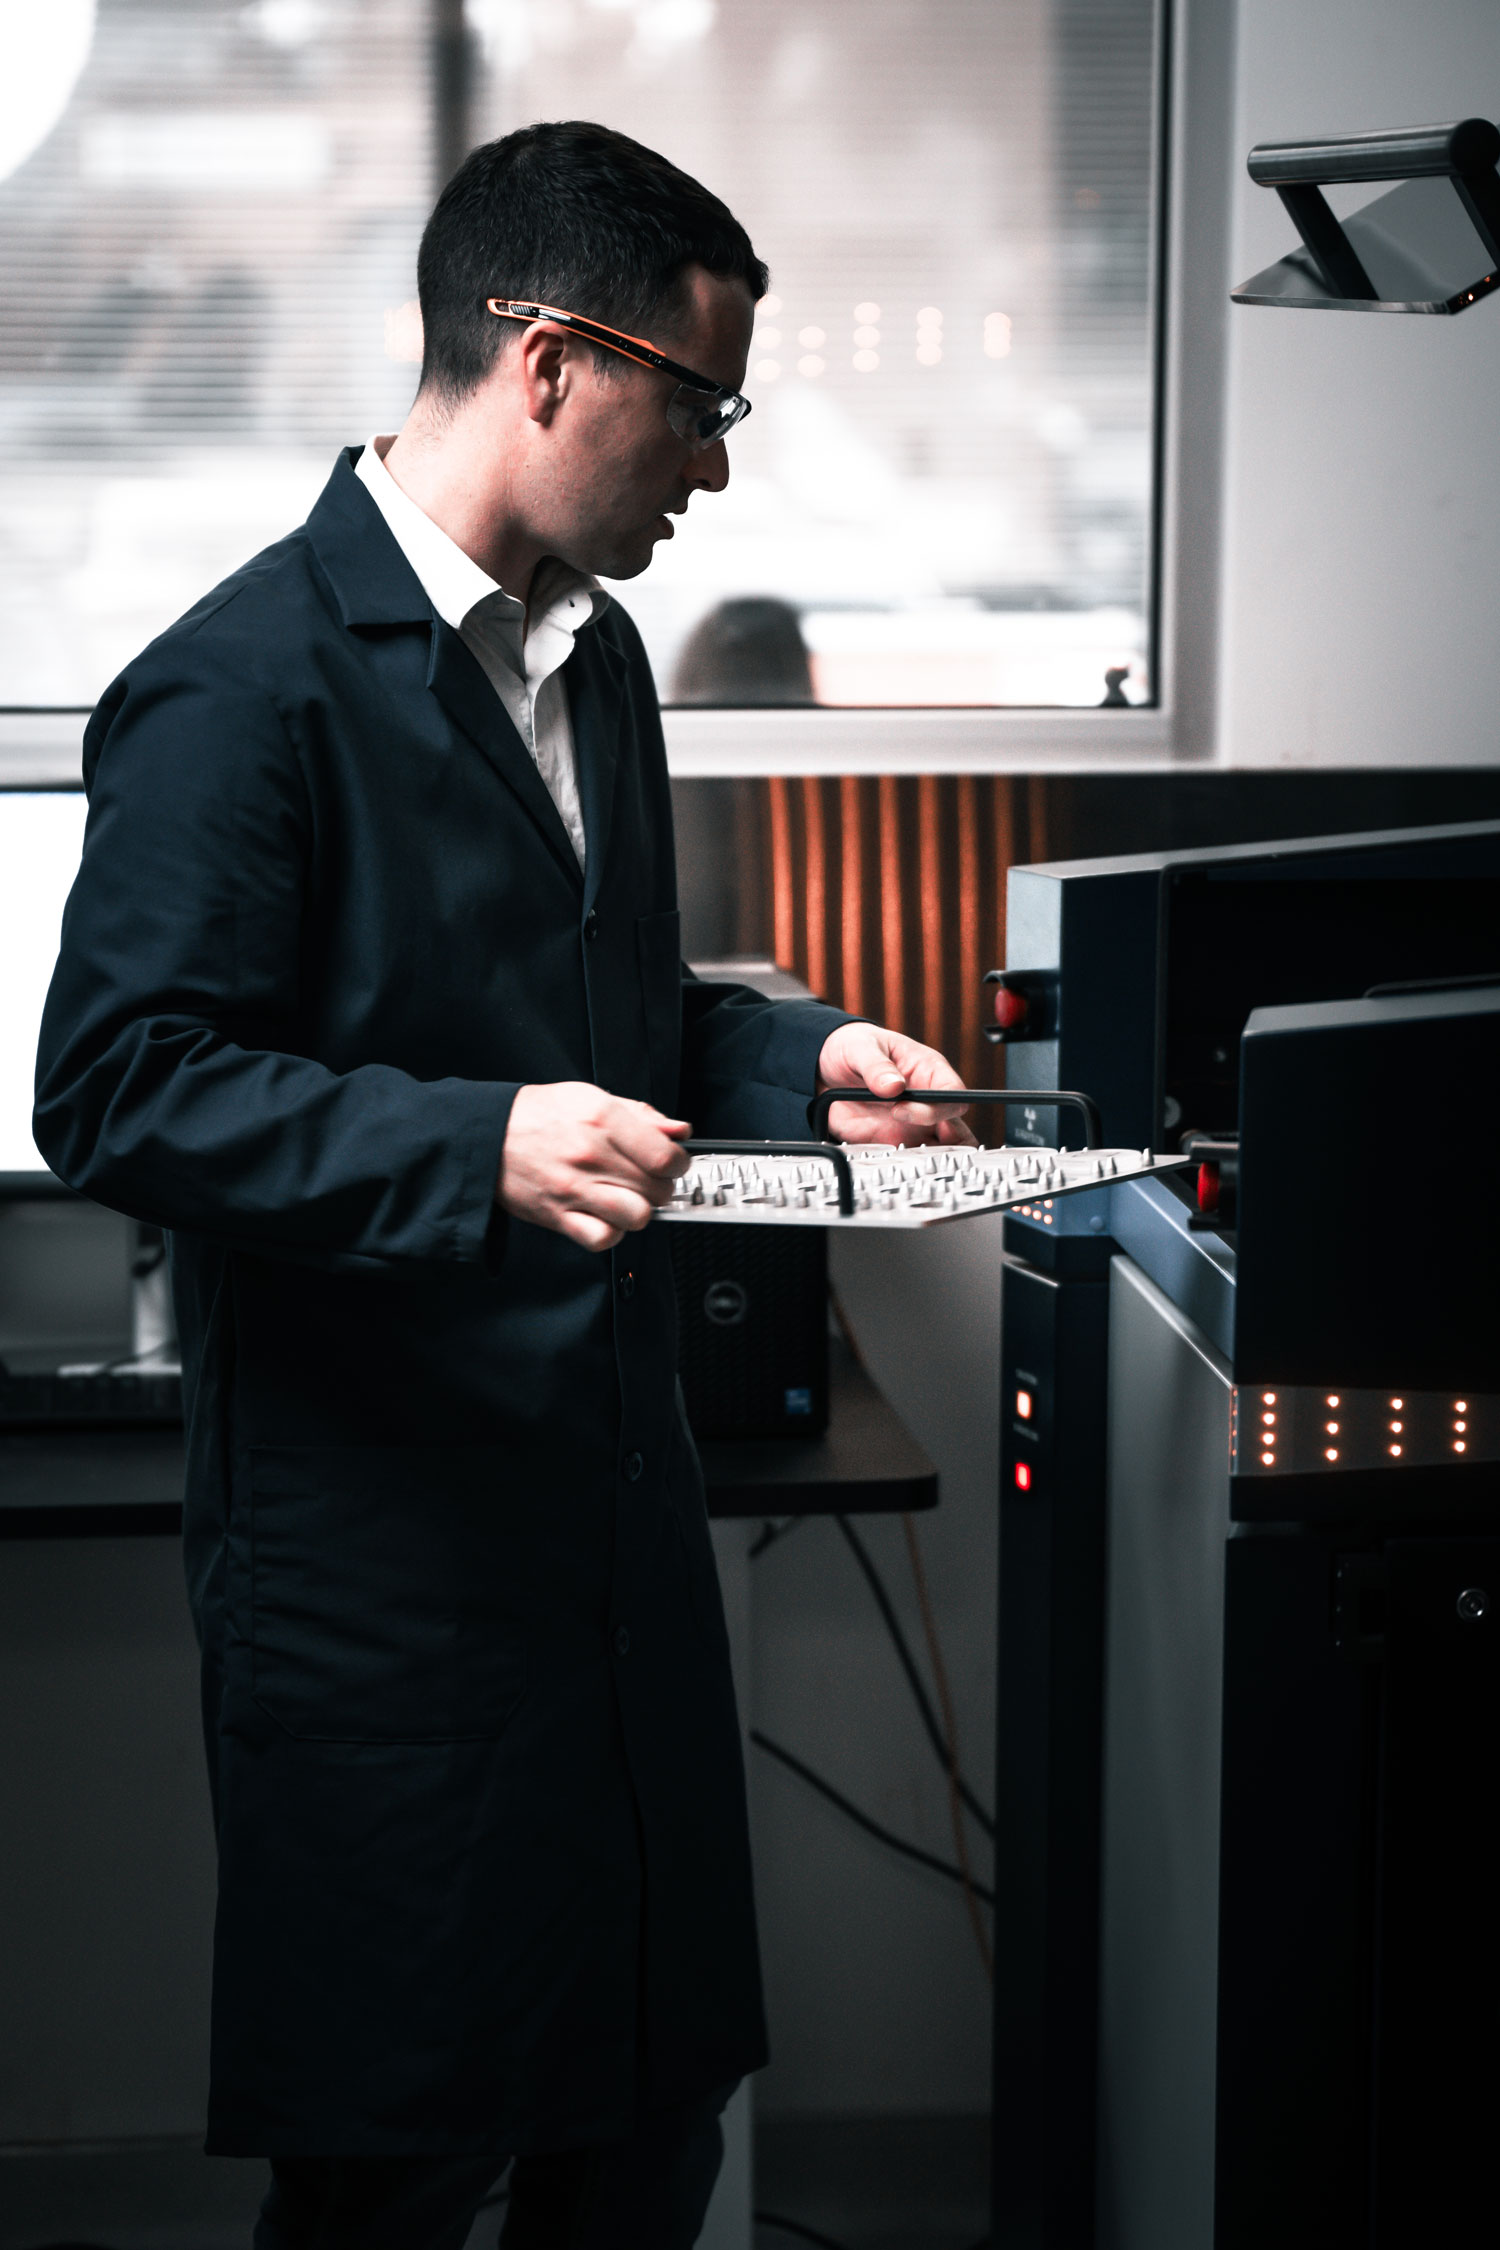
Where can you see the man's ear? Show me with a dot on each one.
(548, 367)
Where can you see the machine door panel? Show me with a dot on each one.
(1167, 1531)
(1437, 2048)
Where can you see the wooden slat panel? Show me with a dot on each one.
(888, 895)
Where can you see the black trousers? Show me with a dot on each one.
(647, 2193)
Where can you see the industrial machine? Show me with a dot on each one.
(1249, 1688)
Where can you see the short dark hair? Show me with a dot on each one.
(572, 215)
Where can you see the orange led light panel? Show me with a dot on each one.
(1023, 1405)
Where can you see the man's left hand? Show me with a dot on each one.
(861, 1054)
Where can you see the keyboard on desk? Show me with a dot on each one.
(90, 1398)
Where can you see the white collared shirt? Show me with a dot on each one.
(523, 663)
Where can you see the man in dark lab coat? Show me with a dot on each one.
(371, 993)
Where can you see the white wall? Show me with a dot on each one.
(1361, 560)
(877, 1999)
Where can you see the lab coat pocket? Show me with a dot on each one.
(658, 940)
(389, 1590)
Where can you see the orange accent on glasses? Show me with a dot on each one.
(699, 426)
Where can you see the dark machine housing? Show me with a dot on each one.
(1133, 978)
(1249, 1641)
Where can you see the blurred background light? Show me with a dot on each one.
(44, 45)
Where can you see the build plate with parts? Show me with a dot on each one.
(899, 1187)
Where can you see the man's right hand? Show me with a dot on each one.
(588, 1164)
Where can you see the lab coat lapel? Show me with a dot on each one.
(457, 679)
(598, 696)
(375, 585)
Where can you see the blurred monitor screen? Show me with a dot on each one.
(41, 836)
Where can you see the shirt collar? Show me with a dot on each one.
(452, 581)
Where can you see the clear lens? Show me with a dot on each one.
(702, 417)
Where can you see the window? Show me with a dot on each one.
(209, 212)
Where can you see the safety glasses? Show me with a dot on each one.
(700, 411)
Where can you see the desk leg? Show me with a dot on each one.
(728, 2225)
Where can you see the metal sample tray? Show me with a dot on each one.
(896, 1187)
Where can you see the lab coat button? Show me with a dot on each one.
(622, 1641)
(633, 1466)
(591, 924)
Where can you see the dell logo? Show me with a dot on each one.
(725, 1303)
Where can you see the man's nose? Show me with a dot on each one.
(708, 471)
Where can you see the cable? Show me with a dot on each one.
(771, 1531)
(929, 1719)
(944, 1740)
(950, 1736)
(795, 2226)
(823, 2241)
(862, 1819)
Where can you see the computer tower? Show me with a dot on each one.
(752, 1311)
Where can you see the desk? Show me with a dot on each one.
(84, 1484)
(866, 1461)
(90, 1484)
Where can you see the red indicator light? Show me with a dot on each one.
(1393, 1449)
(1011, 1008)
(1208, 1187)
(1268, 1460)
(1330, 1452)
(1458, 1445)
(1023, 1476)
(1268, 1398)
(1023, 1405)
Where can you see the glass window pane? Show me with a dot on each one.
(944, 492)
(201, 270)
(947, 472)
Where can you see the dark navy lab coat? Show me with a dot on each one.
(484, 1875)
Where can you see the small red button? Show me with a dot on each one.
(1011, 1008)
(1023, 1475)
(1208, 1187)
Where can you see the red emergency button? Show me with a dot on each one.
(1011, 1008)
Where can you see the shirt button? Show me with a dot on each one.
(627, 1285)
(591, 924)
(633, 1466)
(622, 1641)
